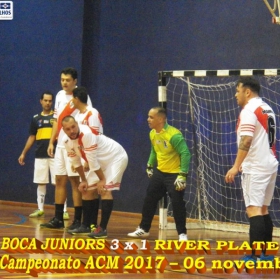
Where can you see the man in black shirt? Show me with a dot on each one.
(40, 131)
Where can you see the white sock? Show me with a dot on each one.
(65, 206)
(41, 193)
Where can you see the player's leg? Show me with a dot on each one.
(90, 202)
(254, 186)
(77, 201)
(90, 209)
(90, 205)
(41, 195)
(107, 203)
(41, 178)
(113, 174)
(154, 193)
(267, 219)
(51, 163)
(76, 194)
(60, 196)
(178, 205)
(60, 190)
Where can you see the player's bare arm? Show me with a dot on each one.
(245, 143)
(86, 167)
(244, 146)
(83, 184)
(101, 184)
(30, 141)
(52, 139)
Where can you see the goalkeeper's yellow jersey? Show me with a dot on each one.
(170, 150)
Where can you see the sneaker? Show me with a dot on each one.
(37, 213)
(75, 224)
(93, 227)
(139, 232)
(247, 258)
(98, 233)
(266, 258)
(53, 223)
(66, 216)
(183, 237)
(82, 230)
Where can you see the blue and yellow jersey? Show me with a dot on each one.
(169, 150)
(41, 127)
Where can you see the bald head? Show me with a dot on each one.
(70, 127)
(157, 118)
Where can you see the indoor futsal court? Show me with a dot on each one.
(186, 56)
(16, 223)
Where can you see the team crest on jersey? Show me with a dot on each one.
(81, 148)
(51, 121)
(39, 123)
(165, 144)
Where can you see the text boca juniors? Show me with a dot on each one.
(101, 246)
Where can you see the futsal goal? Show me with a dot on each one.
(202, 105)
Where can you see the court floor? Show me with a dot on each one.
(28, 251)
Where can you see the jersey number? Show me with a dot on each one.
(271, 131)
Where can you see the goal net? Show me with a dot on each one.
(202, 105)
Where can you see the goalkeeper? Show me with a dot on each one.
(170, 152)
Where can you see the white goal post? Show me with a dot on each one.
(201, 104)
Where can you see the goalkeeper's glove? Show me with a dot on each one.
(181, 181)
(150, 170)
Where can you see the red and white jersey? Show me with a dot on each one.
(97, 149)
(90, 117)
(64, 107)
(257, 119)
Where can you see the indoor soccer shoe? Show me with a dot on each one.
(139, 232)
(82, 230)
(99, 232)
(253, 258)
(266, 258)
(75, 224)
(93, 227)
(247, 258)
(66, 216)
(53, 223)
(183, 237)
(37, 213)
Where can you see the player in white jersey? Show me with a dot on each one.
(256, 158)
(64, 107)
(107, 161)
(86, 113)
(89, 116)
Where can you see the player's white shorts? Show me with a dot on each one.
(113, 174)
(62, 163)
(43, 168)
(258, 189)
